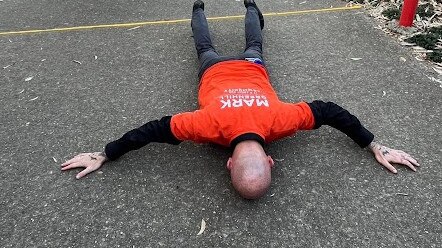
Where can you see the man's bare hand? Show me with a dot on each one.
(90, 161)
(385, 156)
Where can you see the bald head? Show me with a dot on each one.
(250, 169)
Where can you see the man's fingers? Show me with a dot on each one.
(70, 161)
(404, 161)
(73, 165)
(76, 158)
(412, 160)
(407, 163)
(408, 157)
(85, 172)
(387, 165)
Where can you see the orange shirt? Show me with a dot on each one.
(235, 98)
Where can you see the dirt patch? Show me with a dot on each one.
(425, 36)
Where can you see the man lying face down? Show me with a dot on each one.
(240, 109)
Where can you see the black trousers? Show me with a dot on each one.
(207, 54)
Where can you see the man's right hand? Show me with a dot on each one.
(90, 161)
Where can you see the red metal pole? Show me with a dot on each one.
(408, 13)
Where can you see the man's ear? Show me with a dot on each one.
(229, 164)
(271, 162)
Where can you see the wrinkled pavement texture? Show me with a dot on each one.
(326, 191)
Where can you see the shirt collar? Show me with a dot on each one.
(247, 136)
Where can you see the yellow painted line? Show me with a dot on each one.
(135, 24)
(313, 11)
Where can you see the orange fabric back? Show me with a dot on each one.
(236, 97)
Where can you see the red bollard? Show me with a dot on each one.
(408, 12)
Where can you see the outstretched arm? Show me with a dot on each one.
(152, 131)
(329, 113)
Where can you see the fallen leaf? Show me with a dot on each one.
(419, 59)
(133, 28)
(435, 80)
(8, 66)
(95, 57)
(279, 159)
(439, 71)
(419, 48)
(303, 2)
(403, 43)
(355, 59)
(403, 59)
(23, 90)
(55, 160)
(33, 99)
(28, 79)
(43, 60)
(418, 18)
(76, 61)
(203, 227)
(379, 27)
(383, 93)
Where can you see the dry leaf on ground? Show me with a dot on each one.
(203, 227)
(133, 28)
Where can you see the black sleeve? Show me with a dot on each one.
(329, 113)
(153, 131)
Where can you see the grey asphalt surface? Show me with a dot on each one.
(326, 191)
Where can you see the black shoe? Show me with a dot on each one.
(252, 3)
(198, 4)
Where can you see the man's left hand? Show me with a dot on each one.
(385, 156)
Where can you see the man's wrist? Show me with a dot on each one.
(103, 154)
(100, 156)
(373, 146)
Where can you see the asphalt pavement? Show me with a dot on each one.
(71, 91)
